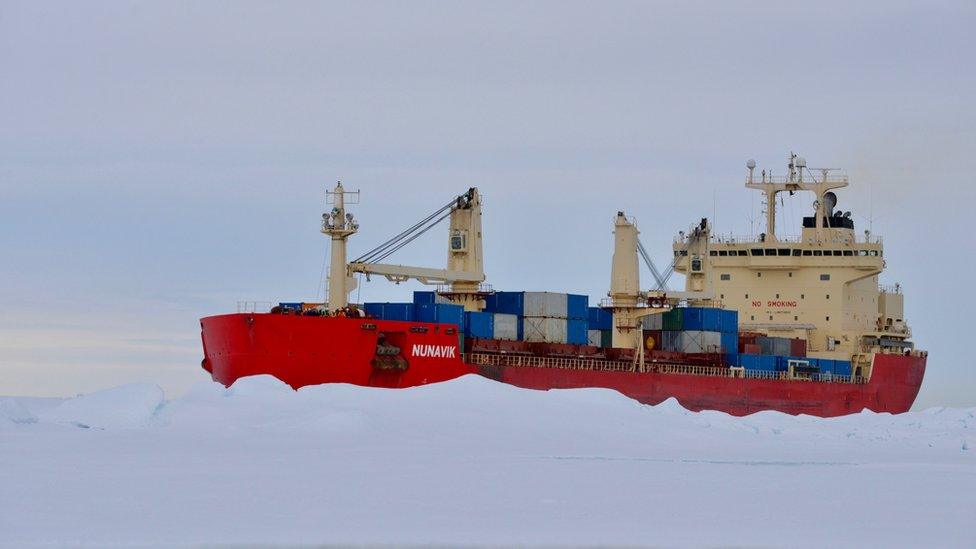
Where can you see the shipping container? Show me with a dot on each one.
(506, 326)
(758, 362)
(653, 322)
(729, 321)
(423, 298)
(294, 306)
(577, 306)
(441, 313)
(730, 343)
(545, 305)
(798, 347)
(576, 329)
(701, 319)
(842, 367)
(480, 325)
(599, 318)
(593, 338)
(391, 311)
(672, 320)
(687, 341)
(544, 329)
(750, 349)
(511, 303)
(774, 346)
(606, 339)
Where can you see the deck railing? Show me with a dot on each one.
(573, 363)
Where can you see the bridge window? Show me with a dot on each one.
(742, 252)
(862, 253)
(770, 251)
(815, 252)
(723, 253)
(848, 252)
(838, 252)
(874, 253)
(783, 251)
(757, 251)
(807, 252)
(712, 253)
(796, 252)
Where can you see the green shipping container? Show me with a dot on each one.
(673, 320)
(606, 338)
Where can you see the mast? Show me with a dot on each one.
(339, 225)
(793, 182)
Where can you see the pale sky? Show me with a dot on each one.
(161, 161)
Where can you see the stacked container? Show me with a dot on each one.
(545, 317)
(479, 325)
(697, 330)
(506, 326)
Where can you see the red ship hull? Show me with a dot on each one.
(302, 350)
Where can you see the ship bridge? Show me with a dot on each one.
(821, 286)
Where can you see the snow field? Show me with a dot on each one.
(472, 462)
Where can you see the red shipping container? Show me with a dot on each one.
(751, 349)
(798, 347)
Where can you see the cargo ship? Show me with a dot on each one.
(766, 322)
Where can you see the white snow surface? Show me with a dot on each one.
(472, 462)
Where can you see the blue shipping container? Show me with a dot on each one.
(512, 303)
(441, 313)
(577, 306)
(480, 325)
(728, 321)
(730, 343)
(758, 362)
(705, 319)
(576, 331)
(842, 367)
(600, 319)
(296, 306)
(420, 298)
(390, 311)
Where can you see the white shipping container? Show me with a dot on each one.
(506, 327)
(653, 322)
(544, 304)
(699, 342)
(544, 330)
(593, 337)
